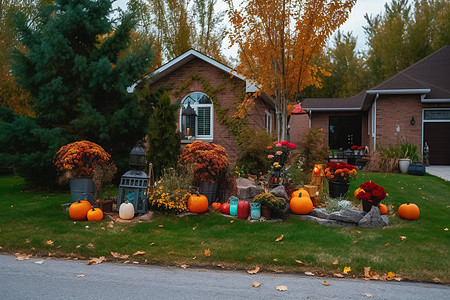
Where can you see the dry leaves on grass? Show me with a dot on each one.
(335, 262)
(301, 262)
(338, 275)
(346, 270)
(22, 256)
(373, 275)
(184, 266)
(282, 288)
(49, 242)
(96, 260)
(256, 270)
(387, 244)
(279, 238)
(309, 273)
(402, 237)
(139, 253)
(207, 252)
(120, 256)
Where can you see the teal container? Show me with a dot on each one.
(255, 211)
(233, 205)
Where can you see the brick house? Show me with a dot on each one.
(211, 89)
(413, 106)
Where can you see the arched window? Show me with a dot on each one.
(204, 108)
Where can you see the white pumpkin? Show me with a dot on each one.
(126, 211)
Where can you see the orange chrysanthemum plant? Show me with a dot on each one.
(209, 160)
(340, 171)
(84, 159)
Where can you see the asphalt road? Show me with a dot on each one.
(57, 279)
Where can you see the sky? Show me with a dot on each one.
(354, 23)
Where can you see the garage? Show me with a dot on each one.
(436, 133)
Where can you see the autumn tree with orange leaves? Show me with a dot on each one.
(278, 40)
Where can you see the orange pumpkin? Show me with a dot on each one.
(198, 203)
(357, 191)
(383, 209)
(409, 211)
(300, 191)
(301, 205)
(216, 205)
(78, 210)
(95, 214)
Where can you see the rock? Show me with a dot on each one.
(347, 215)
(279, 191)
(320, 213)
(373, 219)
(247, 189)
(326, 222)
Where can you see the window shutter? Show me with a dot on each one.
(204, 121)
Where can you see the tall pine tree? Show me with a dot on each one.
(77, 67)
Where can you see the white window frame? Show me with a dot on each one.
(268, 121)
(195, 106)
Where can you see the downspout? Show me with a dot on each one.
(374, 122)
(309, 121)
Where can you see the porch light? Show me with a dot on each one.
(188, 121)
(413, 121)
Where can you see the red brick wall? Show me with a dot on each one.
(227, 97)
(299, 127)
(396, 111)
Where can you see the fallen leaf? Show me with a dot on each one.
(325, 283)
(357, 232)
(249, 258)
(90, 245)
(346, 270)
(300, 262)
(387, 244)
(135, 262)
(231, 221)
(435, 279)
(78, 246)
(103, 228)
(367, 272)
(390, 275)
(279, 238)
(51, 254)
(207, 252)
(139, 253)
(256, 284)
(49, 242)
(403, 237)
(110, 225)
(368, 295)
(118, 255)
(445, 229)
(282, 288)
(184, 266)
(309, 273)
(170, 252)
(256, 270)
(81, 275)
(193, 228)
(98, 260)
(275, 259)
(39, 262)
(127, 261)
(335, 262)
(339, 275)
(221, 266)
(123, 229)
(90, 262)
(27, 241)
(151, 244)
(22, 256)
(160, 225)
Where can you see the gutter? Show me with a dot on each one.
(423, 100)
(399, 91)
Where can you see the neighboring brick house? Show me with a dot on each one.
(413, 106)
(199, 80)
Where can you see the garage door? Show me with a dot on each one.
(437, 136)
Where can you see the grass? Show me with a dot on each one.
(28, 219)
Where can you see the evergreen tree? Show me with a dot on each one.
(77, 68)
(164, 140)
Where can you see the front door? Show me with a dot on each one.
(344, 131)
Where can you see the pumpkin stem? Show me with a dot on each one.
(198, 193)
(93, 209)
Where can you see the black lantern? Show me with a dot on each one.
(188, 121)
(137, 158)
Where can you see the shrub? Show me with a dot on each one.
(253, 156)
(275, 204)
(385, 159)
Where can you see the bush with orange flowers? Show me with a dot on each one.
(209, 160)
(340, 171)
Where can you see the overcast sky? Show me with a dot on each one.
(354, 23)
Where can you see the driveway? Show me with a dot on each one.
(440, 171)
(68, 279)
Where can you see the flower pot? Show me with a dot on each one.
(255, 211)
(210, 190)
(107, 205)
(403, 164)
(82, 189)
(367, 205)
(266, 212)
(338, 189)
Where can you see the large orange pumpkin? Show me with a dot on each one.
(301, 205)
(300, 191)
(198, 203)
(95, 214)
(357, 191)
(409, 211)
(383, 209)
(78, 210)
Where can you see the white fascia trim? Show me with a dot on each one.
(399, 91)
(423, 100)
(332, 109)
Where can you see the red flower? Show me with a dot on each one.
(284, 143)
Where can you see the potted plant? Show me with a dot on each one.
(279, 160)
(339, 175)
(371, 194)
(210, 162)
(408, 154)
(272, 203)
(86, 166)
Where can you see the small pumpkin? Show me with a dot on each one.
(126, 211)
(95, 214)
(300, 191)
(301, 205)
(383, 209)
(216, 205)
(225, 208)
(409, 211)
(357, 191)
(317, 169)
(79, 209)
(197, 203)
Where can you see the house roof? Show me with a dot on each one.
(429, 77)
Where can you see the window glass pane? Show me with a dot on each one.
(204, 121)
(437, 115)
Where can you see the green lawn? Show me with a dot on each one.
(28, 220)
